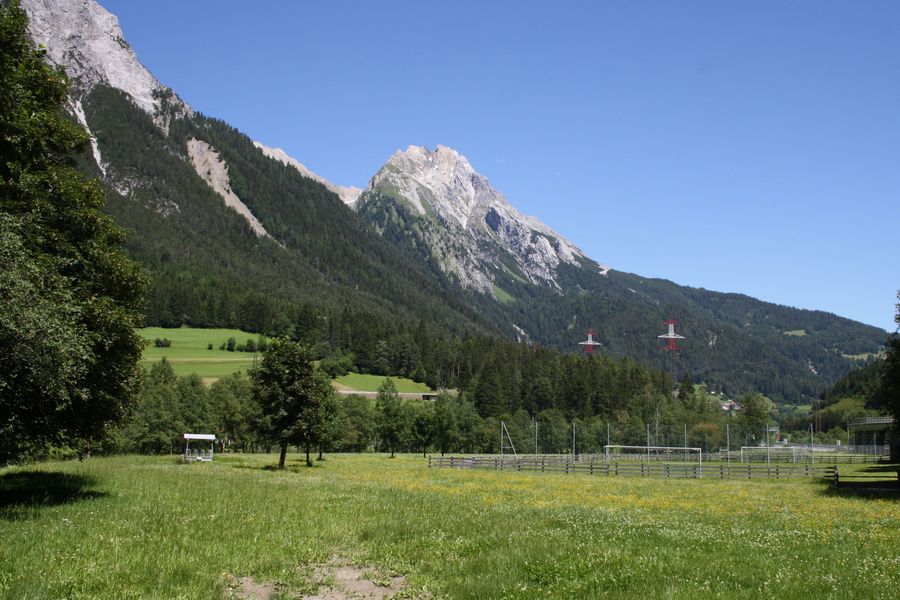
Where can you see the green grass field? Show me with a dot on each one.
(371, 383)
(137, 527)
(189, 354)
(189, 351)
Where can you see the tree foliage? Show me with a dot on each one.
(292, 395)
(391, 425)
(71, 300)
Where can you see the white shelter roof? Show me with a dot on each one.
(200, 436)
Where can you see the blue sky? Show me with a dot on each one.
(748, 147)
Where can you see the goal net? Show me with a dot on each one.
(790, 454)
(669, 454)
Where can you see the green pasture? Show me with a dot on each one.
(189, 351)
(371, 383)
(138, 527)
(189, 354)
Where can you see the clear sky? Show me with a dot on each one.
(748, 147)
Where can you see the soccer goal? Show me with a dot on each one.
(786, 454)
(670, 454)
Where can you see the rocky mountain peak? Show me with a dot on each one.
(86, 39)
(441, 185)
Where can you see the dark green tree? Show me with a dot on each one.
(420, 418)
(389, 411)
(70, 301)
(359, 424)
(291, 393)
(446, 431)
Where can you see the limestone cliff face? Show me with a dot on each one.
(442, 187)
(86, 39)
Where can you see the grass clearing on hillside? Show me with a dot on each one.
(189, 352)
(137, 527)
(371, 383)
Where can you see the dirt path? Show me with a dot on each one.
(339, 579)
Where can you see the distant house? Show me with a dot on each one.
(732, 406)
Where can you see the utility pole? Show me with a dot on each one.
(811, 459)
(728, 442)
(573, 439)
(657, 425)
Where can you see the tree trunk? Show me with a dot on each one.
(392, 453)
(308, 462)
(283, 455)
(321, 457)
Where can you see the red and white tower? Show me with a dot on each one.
(671, 336)
(589, 344)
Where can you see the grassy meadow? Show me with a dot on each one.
(189, 351)
(140, 527)
(370, 383)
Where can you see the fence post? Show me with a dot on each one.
(837, 477)
(749, 471)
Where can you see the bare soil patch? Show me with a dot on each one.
(342, 580)
(338, 579)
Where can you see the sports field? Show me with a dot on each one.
(137, 527)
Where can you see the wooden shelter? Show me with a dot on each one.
(198, 454)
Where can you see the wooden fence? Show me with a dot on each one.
(562, 464)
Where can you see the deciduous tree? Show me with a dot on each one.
(70, 300)
(391, 423)
(291, 393)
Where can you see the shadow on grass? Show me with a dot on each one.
(886, 468)
(876, 489)
(291, 467)
(24, 491)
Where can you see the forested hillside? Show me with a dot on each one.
(734, 343)
(210, 269)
